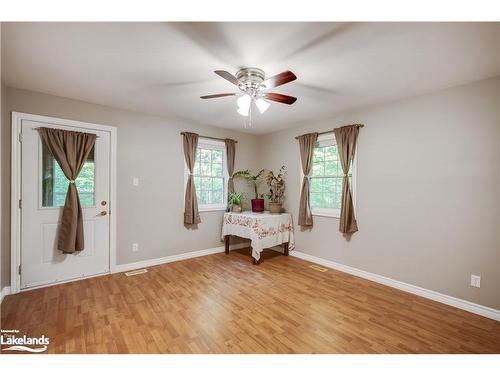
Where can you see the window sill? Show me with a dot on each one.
(333, 215)
(211, 209)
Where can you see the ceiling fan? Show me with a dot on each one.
(253, 84)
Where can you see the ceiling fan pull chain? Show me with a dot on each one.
(250, 116)
(248, 123)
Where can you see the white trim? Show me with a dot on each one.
(62, 282)
(4, 292)
(212, 208)
(215, 144)
(15, 243)
(174, 258)
(472, 307)
(326, 212)
(113, 194)
(15, 195)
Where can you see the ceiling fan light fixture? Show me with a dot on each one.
(262, 105)
(253, 84)
(244, 102)
(243, 111)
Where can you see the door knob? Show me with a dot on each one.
(103, 213)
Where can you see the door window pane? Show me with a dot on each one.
(55, 184)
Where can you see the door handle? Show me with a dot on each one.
(103, 213)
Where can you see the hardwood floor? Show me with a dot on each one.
(225, 304)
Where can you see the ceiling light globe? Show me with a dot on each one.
(244, 101)
(262, 105)
(243, 111)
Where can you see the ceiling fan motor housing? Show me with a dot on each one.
(250, 78)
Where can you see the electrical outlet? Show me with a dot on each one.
(475, 281)
(135, 181)
(135, 247)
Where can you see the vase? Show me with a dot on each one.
(257, 205)
(275, 207)
(236, 208)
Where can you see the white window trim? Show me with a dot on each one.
(325, 140)
(213, 145)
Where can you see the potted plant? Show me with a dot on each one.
(254, 181)
(234, 201)
(276, 185)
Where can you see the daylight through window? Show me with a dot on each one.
(210, 175)
(326, 178)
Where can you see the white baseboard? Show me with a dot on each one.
(472, 307)
(5, 292)
(174, 258)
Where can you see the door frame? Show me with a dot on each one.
(15, 212)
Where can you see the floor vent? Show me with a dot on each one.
(136, 272)
(318, 268)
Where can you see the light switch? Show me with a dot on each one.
(135, 181)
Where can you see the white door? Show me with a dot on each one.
(43, 192)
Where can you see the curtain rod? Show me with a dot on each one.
(214, 138)
(331, 131)
(68, 130)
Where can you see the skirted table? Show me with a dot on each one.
(263, 229)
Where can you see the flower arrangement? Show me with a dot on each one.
(276, 185)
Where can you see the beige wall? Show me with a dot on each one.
(427, 194)
(149, 148)
(427, 191)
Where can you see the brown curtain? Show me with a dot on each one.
(306, 144)
(191, 214)
(346, 138)
(230, 155)
(70, 149)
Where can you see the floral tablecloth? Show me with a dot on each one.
(263, 229)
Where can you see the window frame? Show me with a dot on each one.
(211, 144)
(328, 139)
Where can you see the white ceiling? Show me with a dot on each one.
(163, 68)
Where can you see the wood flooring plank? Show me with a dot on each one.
(224, 304)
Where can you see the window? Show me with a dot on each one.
(326, 178)
(210, 175)
(55, 184)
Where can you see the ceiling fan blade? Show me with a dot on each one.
(217, 95)
(228, 76)
(279, 79)
(280, 98)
